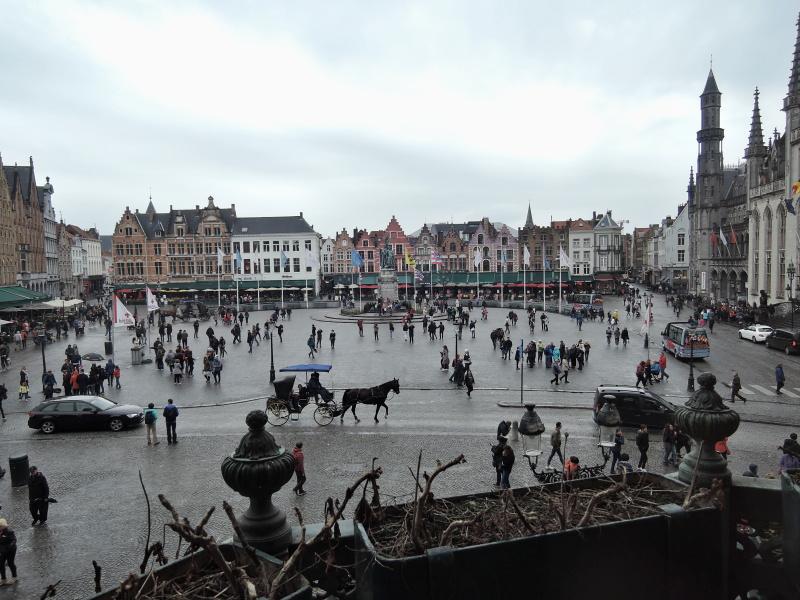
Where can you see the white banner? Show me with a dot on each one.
(122, 316)
(152, 303)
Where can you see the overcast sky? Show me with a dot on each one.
(354, 111)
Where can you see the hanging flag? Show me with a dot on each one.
(714, 238)
(477, 260)
(502, 257)
(152, 303)
(546, 264)
(796, 189)
(789, 205)
(418, 276)
(722, 237)
(284, 260)
(122, 316)
(356, 259)
(435, 258)
(733, 236)
(563, 259)
(237, 261)
(410, 260)
(526, 257)
(311, 260)
(220, 256)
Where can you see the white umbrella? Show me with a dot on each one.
(339, 286)
(2, 322)
(353, 286)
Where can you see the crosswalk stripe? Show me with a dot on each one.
(744, 390)
(786, 392)
(763, 390)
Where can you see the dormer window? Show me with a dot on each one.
(480, 238)
(179, 232)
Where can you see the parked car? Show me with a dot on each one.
(784, 339)
(755, 333)
(635, 405)
(83, 412)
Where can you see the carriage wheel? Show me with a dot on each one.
(324, 414)
(277, 411)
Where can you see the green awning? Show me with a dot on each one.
(16, 295)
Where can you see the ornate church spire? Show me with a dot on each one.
(755, 145)
(529, 218)
(691, 187)
(793, 97)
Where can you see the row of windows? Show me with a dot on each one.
(267, 265)
(178, 248)
(208, 230)
(256, 246)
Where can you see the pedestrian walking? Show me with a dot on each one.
(506, 464)
(216, 369)
(375, 331)
(8, 550)
(497, 458)
(250, 342)
(117, 372)
(662, 363)
(555, 445)
(319, 340)
(24, 385)
(411, 333)
(669, 438)
(556, 373)
(565, 371)
(3, 396)
(299, 468)
(332, 338)
(196, 326)
(641, 374)
(616, 451)
(469, 381)
(736, 387)
(170, 417)
(38, 496)
(311, 343)
(643, 444)
(280, 332)
(780, 378)
(502, 429)
(150, 418)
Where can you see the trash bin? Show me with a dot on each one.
(18, 465)
(136, 355)
(109, 348)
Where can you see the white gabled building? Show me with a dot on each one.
(263, 241)
(675, 244)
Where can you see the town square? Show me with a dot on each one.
(330, 356)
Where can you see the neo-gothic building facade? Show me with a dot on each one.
(772, 170)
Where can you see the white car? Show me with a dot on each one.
(755, 333)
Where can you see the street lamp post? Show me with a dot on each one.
(690, 383)
(790, 272)
(42, 337)
(271, 357)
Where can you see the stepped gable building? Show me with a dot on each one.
(28, 224)
(175, 246)
(342, 253)
(496, 245)
(771, 194)
(717, 207)
(8, 237)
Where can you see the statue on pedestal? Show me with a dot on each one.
(387, 256)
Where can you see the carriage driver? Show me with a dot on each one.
(315, 388)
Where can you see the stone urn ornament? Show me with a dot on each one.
(707, 420)
(258, 469)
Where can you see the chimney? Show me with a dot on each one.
(197, 207)
(301, 214)
(594, 215)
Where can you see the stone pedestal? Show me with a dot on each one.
(387, 285)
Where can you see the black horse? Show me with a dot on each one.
(375, 395)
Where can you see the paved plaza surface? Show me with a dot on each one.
(101, 512)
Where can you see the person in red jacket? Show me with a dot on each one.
(662, 362)
(299, 469)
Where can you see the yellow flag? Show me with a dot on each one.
(410, 260)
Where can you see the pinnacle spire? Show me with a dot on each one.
(711, 84)
(691, 187)
(529, 218)
(794, 78)
(755, 145)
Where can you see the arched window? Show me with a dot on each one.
(781, 250)
(768, 250)
(486, 265)
(757, 236)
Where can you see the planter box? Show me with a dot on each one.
(790, 492)
(676, 555)
(200, 560)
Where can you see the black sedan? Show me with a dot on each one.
(635, 405)
(83, 412)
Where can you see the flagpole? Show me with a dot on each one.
(237, 295)
(559, 286)
(431, 267)
(219, 292)
(544, 283)
(281, 289)
(258, 293)
(113, 327)
(524, 286)
(501, 279)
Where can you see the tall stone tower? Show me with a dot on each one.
(709, 189)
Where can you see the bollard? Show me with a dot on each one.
(109, 347)
(514, 431)
(18, 465)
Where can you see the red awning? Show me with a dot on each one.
(369, 286)
(606, 277)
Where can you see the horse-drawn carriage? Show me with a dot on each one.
(287, 403)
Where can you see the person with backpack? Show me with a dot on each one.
(497, 457)
(170, 417)
(150, 417)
